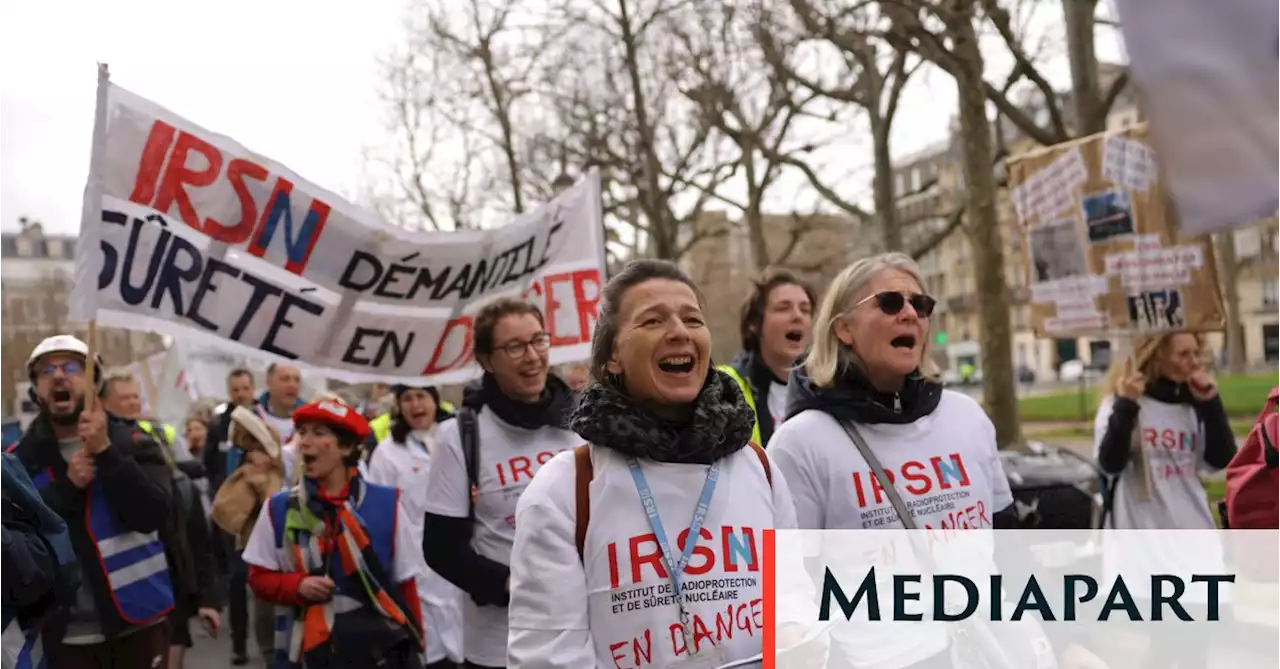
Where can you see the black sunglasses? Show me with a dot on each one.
(891, 303)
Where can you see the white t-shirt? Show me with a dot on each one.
(777, 402)
(1173, 440)
(617, 610)
(406, 467)
(282, 426)
(944, 465)
(406, 558)
(509, 456)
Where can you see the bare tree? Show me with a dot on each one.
(454, 94)
(762, 116)
(624, 114)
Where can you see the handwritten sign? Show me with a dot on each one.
(1212, 121)
(1104, 256)
(192, 235)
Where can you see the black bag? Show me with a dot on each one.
(469, 434)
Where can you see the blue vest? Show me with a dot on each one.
(376, 509)
(25, 645)
(134, 564)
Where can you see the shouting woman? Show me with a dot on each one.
(336, 555)
(669, 438)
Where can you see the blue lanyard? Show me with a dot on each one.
(695, 528)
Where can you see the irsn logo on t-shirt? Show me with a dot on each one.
(520, 467)
(921, 477)
(734, 550)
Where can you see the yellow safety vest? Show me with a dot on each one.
(169, 435)
(381, 425)
(751, 400)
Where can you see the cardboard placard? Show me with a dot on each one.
(1104, 256)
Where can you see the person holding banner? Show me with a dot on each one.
(336, 555)
(112, 485)
(510, 424)
(669, 435)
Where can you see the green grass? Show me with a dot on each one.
(1239, 426)
(1243, 397)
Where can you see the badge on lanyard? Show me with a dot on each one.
(708, 655)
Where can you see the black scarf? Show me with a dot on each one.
(551, 410)
(721, 423)
(1164, 390)
(854, 398)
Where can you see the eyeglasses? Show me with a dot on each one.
(68, 368)
(891, 303)
(515, 350)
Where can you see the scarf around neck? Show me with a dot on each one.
(721, 424)
(318, 530)
(551, 410)
(852, 397)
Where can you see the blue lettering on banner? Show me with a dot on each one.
(173, 264)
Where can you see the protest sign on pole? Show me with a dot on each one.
(1206, 73)
(199, 238)
(1104, 256)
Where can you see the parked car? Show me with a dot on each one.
(1053, 488)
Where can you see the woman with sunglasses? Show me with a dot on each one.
(869, 377)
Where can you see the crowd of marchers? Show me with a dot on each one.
(613, 515)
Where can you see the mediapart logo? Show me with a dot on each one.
(956, 597)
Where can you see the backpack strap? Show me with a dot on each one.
(584, 471)
(1268, 433)
(469, 434)
(764, 462)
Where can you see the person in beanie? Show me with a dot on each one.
(336, 555)
(235, 510)
(403, 461)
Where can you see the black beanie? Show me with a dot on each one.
(400, 389)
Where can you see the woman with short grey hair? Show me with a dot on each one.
(868, 424)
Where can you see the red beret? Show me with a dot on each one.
(334, 414)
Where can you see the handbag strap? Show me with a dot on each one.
(870, 457)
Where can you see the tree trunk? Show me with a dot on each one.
(1085, 93)
(1229, 271)
(999, 391)
(886, 199)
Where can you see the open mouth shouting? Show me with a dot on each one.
(904, 341)
(63, 401)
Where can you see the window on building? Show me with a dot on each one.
(1269, 292)
(916, 180)
(1271, 342)
(897, 184)
(53, 247)
(1022, 354)
(24, 247)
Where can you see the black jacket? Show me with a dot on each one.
(30, 568)
(136, 479)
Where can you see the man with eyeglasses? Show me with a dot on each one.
(510, 424)
(111, 483)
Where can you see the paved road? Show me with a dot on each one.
(216, 653)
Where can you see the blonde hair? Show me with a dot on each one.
(1146, 353)
(326, 396)
(828, 352)
(119, 375)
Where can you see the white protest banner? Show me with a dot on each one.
(1206, 72)
(201, 239)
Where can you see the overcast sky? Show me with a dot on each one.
(296, 81)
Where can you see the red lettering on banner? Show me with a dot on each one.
(733, 550)
(553, 305)
(463, 359)
(588, 307)
(164, 180)
(940, 473)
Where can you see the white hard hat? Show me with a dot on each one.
(63, 343)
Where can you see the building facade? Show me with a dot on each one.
(37, 273)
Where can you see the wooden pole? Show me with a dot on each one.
(90, 368)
